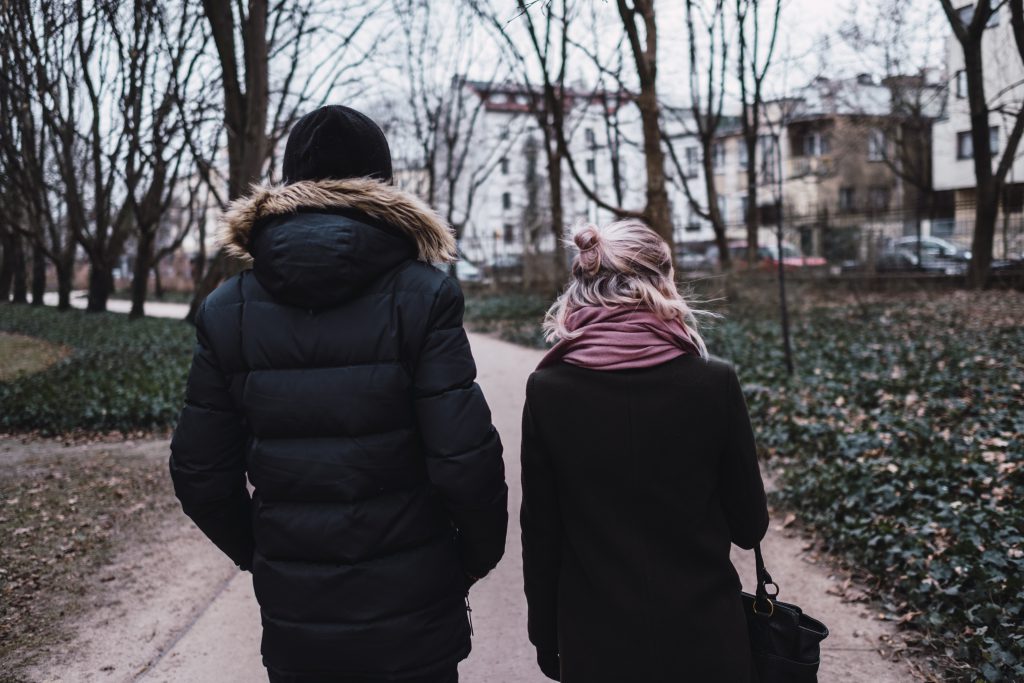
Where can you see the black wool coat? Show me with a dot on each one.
(336, 376)
(635, 484)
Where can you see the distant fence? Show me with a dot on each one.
(835, 243)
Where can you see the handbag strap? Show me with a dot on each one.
(764, 579)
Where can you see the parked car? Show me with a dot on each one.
(689, 258)
(932, 248)
(465, 270)
(906, 260)
(792, 258)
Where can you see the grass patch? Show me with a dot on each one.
(120, 374)
(21, 355)
(63, 513)
(901, 442)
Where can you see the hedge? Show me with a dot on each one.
(121, 375)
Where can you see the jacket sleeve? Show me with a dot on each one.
(463, 451)
(208, 456)
(743, 498)
(541, 526)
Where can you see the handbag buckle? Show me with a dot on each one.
(771, 608)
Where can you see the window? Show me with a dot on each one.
(692, 225)
(588, 136)
(504, 166)
(722, 206)
(506, 200)
(769, 145)
(509, 233)
(846, 199)
(812, 145)
(878, 197)
(965, 146)
(591, 167)
(744, 206)
(961, 84)
(692, 162)
(718, 156)
(744, 160)
(876, 145)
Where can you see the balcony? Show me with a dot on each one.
(800, 167)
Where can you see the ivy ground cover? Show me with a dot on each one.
(116, 375)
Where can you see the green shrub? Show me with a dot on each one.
(902, 442)
(121, 375)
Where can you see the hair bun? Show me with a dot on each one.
(588, 241)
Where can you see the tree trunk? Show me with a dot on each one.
(561, 272)
(140, 275)
(985, 195)
(6, 266)
(38, 275)
(20, 294)
(985, 210)
(717, 224)
(101, 284)
(64, 283)
(221, 268)
(657, 211)
(158, 283)
(752, 218)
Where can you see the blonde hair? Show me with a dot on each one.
(624, 263)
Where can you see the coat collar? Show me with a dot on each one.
(435, 241)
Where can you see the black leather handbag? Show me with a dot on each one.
(784, 642)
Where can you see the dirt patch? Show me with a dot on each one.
(21, 355)
(64, 509)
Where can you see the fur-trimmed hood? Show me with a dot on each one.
(435, 241)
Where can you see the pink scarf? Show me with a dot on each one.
(620, 338)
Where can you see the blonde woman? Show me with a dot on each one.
(639, 472)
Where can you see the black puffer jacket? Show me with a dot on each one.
(336, 374)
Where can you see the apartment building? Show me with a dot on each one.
(849, 159)
(952, 149)
(502, 195)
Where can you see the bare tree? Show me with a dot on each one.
(549, 54)
(34, 101)
(707, 80)
(251, 41)
(988, 182)
(889, 37)
(657, 211)
(753, 61)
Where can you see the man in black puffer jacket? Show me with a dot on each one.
(337, 375)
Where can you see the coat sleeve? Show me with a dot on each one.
(743, 498)
(463, 450)
(208, 456)
(541, 526)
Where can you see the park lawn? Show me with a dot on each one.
(900, 441)
(117, 374)
(21, 355)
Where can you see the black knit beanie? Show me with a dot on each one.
(336, 142)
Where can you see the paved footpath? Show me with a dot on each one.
(217, 639)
